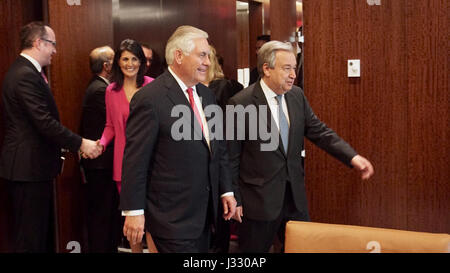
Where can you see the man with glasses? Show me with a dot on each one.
(31, 153)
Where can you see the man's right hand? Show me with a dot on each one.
(133, 228)
(239, 214)
(90, 149)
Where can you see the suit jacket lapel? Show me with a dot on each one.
(293, 115)
(260, 100)
(177, 97)
(51, 99)
(29, 64)
(201, 91)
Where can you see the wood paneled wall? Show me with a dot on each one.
(78, 29)
(13, 15)
(243, 39)
(255, 15)
(283, 20)
(427, 66)
(396, 114)
(154, 21)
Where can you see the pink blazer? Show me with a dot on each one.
(117, 111)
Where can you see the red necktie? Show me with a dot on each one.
(43, 76)
(194, 108)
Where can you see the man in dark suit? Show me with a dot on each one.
(31, 152)
(103, 216)
(269, 183)
(177, 182)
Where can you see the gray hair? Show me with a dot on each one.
(266, 53)
(183, 38)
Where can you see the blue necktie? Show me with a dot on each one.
(283, 123)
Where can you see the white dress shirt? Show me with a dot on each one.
(273, 103)
(33, 61)
(198, 104)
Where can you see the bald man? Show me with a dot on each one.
(103, 216)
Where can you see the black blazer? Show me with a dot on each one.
(93, 120)
(173, 180)
(224, 89)
(260, 177)
(34, 135)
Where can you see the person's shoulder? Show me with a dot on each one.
(20, 72)
(158, 86)
(297, 92)
(155, 84)
(245, 94)
(203, 89)
(21, 67)
(150, 93)
(96, 83)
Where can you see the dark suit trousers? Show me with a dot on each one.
(198, 245)
(103, 215)
(258, 236)
(33, 216)
(221, 236)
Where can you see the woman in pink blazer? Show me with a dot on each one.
(128, 77)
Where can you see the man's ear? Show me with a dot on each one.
(107, 66)
(179, 56)
(37, 44)
(266, 69)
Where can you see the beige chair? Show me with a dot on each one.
(316, 237)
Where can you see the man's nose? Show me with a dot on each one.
(292, 74)
(207, 61)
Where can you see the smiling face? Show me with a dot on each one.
(129, 64)
(194, 67)
(281, 77)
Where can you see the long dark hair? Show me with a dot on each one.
(117, 74)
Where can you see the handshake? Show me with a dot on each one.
(90, 149)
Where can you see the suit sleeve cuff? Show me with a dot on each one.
(230, 193)
(132, 212)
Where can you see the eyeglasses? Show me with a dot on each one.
(52, 42)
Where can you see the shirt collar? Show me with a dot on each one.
(105, 79)
(33, 61)
(267, 91)
(180, 82)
